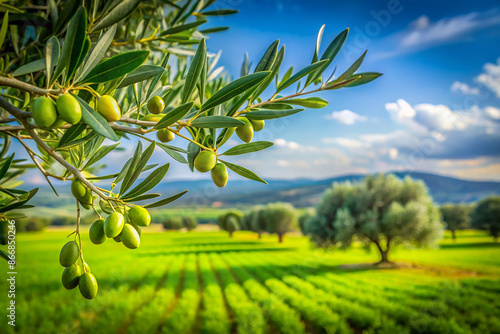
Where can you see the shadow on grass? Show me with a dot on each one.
(470, 245)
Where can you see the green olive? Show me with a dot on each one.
(245, 132)
(113, 225)
(117, 239)
(78, 189)
(165, 135)
(88, 286)
(139, 216)
(156, 105)
(219, 175)
(205, 161)
(108, 107)
(69, 254)
(88, 198)
(69, 109)
(129, 237)
(96, 232)
(258, 124)
(58, 123)
(137, 228)
(70, 276)
(44, 112)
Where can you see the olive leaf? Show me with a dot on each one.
(96, 121)
(182, 27)
(173, 153)
(149, 182)
(123, 9)
(309, 102)
(216, 122)
(51, 56)
(137, 165)
(173, 116)
(3, 29)
(300, 74)
(248, 148)
(141, 73)
(350, 71)
(246, 173)
(101, 153)
(34, 66)
(234, 89)
(6, 165)
(72, 133)
(271, 114)
(7, 256)
(194, 71)
(220, 12)
(116, 66)
(364, 78)
(166, 200)
(268, 58)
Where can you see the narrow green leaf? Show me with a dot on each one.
(268, 59)
(143, 72)
(234, 89)
(118, 13)
(155, 80)
(365, 78)
(116, 66)
(271, 114)
(337, 85)
(274, 72)
(51, 56)
(243, 172)
(300, 74)
(220, 12)
(194, 71)
(101, 153)
(310, 102)
(213, 30)
(91, 135)
(72, 133)
(173, 116)
(193, 151)
(248, 148)
(182, 27)
(3, 29)
(97, 53)
(7, 256)
(81, 44)
(353, 68)
(70, 8)
(165, 200)
(149, 182)
(34, 66)
(142, 198)
(96, 121)
(133, 173)
(174, 154)
(6, 165)
(216, 122)
(130, 167)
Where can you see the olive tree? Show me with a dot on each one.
(305, 216)
(190, 222)
(231, 221)
(279, 218)
(253, 220)
(456, 217)
(173, 223)
(76, 73)
(382, 210)
(486, 216)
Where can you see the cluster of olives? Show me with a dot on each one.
(122, 228)
(49, 115)
(72, 275)
(82, 193)
(245, 132)
(155, 107)
(66, 109)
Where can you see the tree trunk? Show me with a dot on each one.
(259, 234)
(280, 238)
(384, 254)
(231, 234)
(453, 235)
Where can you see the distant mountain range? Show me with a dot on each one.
(301, 193)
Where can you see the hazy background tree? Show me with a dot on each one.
(173, 223)
(253, 220)
(486, 216)
(190, 222)
(304, 216)
(381, 209)
(231, 221)
(279, 218)
(456, 217)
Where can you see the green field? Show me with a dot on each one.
(205, 282)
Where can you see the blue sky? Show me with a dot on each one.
(437, 107)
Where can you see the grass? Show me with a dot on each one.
(206, 282)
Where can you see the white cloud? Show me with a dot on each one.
(491, 77)
(347, 117)
(464, 88)
(345, 142)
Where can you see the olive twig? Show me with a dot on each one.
(24, 86)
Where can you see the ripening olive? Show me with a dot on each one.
(44, 112)
(113, 225)
(78, 189)
(87, 199)
(129, 237)
(58, 123)
(245, 132)
(69, 109)
(257, 124)
(88, 286)
(165, 135)
(86, 206)
(96, 232)
(219, 175)
(108, 107)
(69, 254)
(205, 161)
(139, 216)
(156, 105)
(137, 228)
(70, 276)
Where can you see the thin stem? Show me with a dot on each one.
(24, 86)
